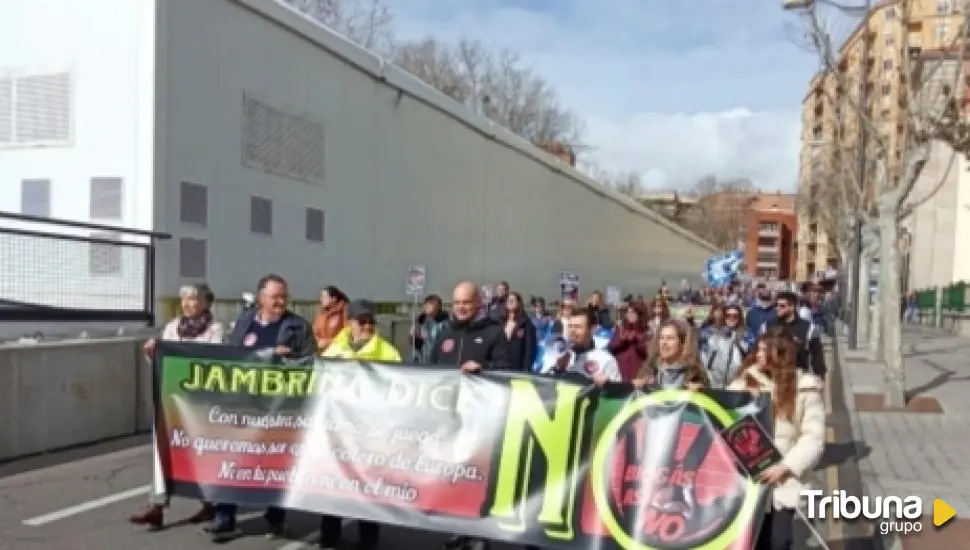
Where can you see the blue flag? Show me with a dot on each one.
(720, 270)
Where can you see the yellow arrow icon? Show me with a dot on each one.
(942, 512)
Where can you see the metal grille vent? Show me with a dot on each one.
(35, 198)
(194, 204)
(106, 198)
(192, 258)
(261, 215)
(6, 111)
(282, 143)
(315, 225)
(42, 109)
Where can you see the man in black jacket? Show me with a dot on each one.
(268, 328)
(473, 341)
(810, 356)
(470, 339)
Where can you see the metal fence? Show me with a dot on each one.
(59, 270)
(954, 297)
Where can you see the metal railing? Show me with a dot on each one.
(955, 297)
(54, 270)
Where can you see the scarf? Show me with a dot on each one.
(191, 328)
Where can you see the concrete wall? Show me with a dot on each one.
(64, 394)
(411, 177)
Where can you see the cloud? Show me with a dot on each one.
(674, 90)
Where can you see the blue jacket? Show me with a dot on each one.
(759, 317)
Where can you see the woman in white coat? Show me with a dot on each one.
(799, 429)
(195, 324)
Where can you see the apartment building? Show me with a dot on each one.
(871, 59)
(769, 246)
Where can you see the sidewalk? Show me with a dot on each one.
(912, 453)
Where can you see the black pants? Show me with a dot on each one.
(331, 528)
(777, 530)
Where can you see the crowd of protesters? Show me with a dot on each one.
(752, 339)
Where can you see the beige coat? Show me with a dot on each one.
(213, 335)
(801, 441)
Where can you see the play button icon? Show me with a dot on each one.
(942, 512)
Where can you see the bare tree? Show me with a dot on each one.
(629, 183)
(932, 117)
(366, 22)
(499, 85)
(720, 214)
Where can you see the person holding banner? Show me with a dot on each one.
(272, 328)
(583, 357)
(799, 430)
(195, 324)
(673, 363)
(360, 341)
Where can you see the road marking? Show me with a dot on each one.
(310, 539)
(86, 506)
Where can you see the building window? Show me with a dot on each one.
(315, 222)
(282, 143)
(890, 14)
(944, 6)
(35, 198)
(104, 258)
(106, 198)
(887, 64)
(192, 258)
(36, 110)
(942, 32)
(887, 89)
(261, 215)
(769, 227)
(193, 203)
(890, 41)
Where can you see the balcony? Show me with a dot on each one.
(766, 263)
(769, 230)
(768, 249)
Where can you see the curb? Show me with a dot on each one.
(870, 481)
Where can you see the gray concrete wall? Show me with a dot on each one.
(411, 176)
(65, 394)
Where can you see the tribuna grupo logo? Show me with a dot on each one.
(892, 514)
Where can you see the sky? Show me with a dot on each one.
(674, 90)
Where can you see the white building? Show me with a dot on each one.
(262, 142)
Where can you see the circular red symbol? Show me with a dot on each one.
(448, 345)
(249, 340)
(591, 367)
(520, 333)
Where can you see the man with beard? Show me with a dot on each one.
(472, 341)
(762, 312)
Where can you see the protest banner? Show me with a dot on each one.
(552, 462)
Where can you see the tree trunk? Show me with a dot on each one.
(876, 324)
(889, 301)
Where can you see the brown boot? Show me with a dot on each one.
(204, 515)
(153, 516)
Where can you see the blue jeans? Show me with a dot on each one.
(226, 513)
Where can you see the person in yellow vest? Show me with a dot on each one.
(358, 340)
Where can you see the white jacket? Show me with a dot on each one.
(589, 364)
(800, 440)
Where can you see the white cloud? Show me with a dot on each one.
(675, 90)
